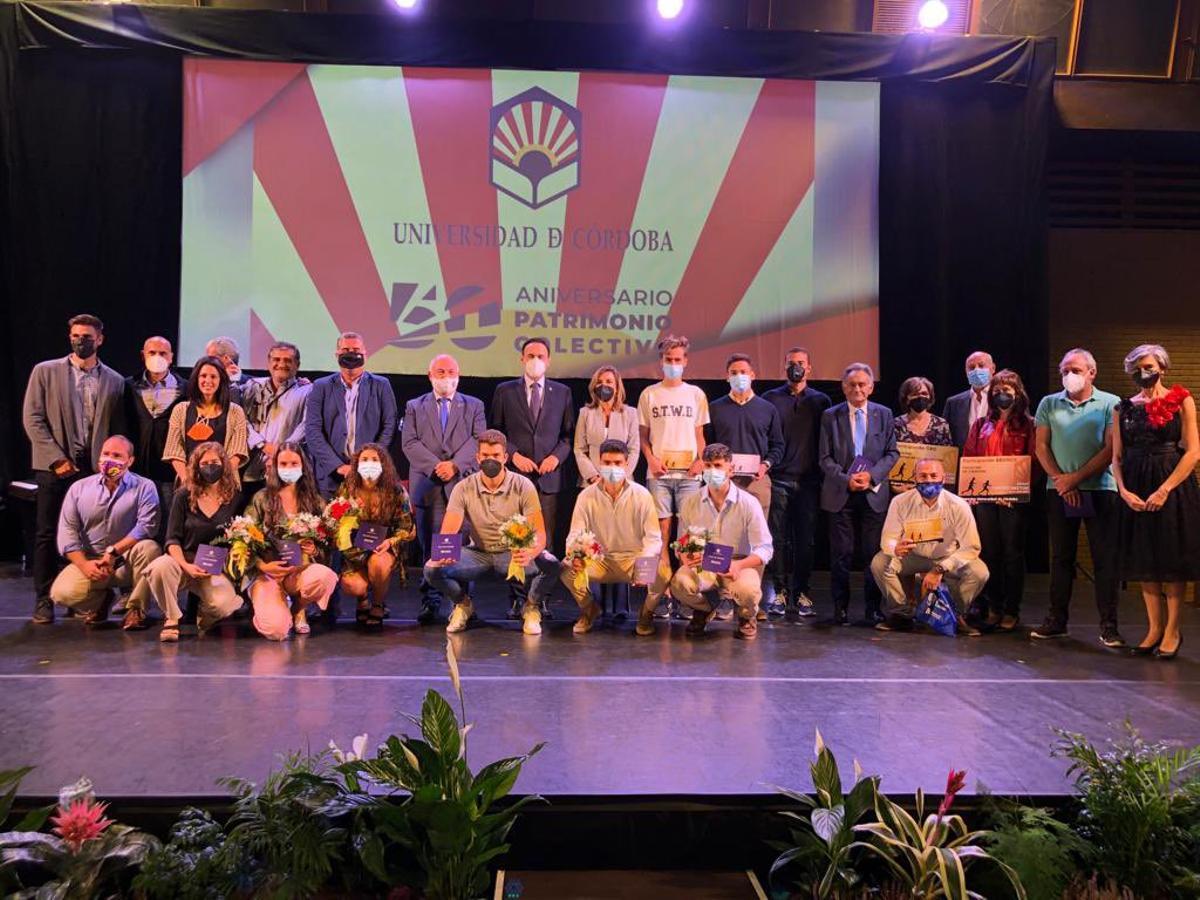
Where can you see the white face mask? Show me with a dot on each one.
(672, 370)
(370, 470)
(1073, 382)
(444, 387)
(156, 364)
(613, 474)
(535, 367)
(290, 475)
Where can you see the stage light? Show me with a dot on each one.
(406, 4)
(669, 9)
(933, 14)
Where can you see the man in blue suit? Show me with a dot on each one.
(537, 416)
(858, 450)
(439, 437)
(345, 410)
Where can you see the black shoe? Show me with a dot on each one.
(1148, 650)
(1166, 656)
(1048, 630)
(43, 612)
(429, 613)
(841, 617)
(1111, 638)
(545, 610)
(514, 611)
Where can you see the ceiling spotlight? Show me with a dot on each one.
(406, 4)
(933, 14)
(669, 9)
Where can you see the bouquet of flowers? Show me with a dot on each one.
(693, 540)
(582, 546)
(246, 543)
(305, 527)
(341, 518)
(517, 533)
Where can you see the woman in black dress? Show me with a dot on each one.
(1155, 451)
(208, 415)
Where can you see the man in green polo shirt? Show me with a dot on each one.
(1074, 446)
(483, 502)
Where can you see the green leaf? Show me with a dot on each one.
(439, 727)
(826, 779)
(827, 823)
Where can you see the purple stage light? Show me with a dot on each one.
(669, 9)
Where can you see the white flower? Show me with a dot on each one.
(358, 750)
(80, 790)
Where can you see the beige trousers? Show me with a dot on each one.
(166, 580)
(760, 490)
(704, 590)
(74, 589)
(313, 584)
(894, 580)
(612, 570)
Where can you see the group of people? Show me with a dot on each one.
(136, 475)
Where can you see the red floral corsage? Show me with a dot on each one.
(1161, 410)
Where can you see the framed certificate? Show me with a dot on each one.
(924, 531)
(910, 454)
(746, 463)
(991, 478)
(678, 460)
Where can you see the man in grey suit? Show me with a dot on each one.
(965, 409)
(72, 405)
(858, 450)
(439, 437)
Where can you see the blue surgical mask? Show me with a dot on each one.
(613, 474)
(370, 470)
(672, 370)
(979, 378)
(929, 489)
(290, 475)
(715, 477)
(739, 384)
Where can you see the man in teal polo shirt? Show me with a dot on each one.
(1074, 446)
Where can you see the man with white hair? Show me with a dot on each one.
(951, 557)
(965, 409)
(439, 435)
(226, 350)
(1075, 446)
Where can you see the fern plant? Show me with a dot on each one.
(1046, 854)
(1140, 808)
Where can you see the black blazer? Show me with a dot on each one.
(149, 435)
(551, 435)
(957, 412)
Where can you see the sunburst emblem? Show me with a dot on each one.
(535, 147)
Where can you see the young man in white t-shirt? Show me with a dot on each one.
(671, 417)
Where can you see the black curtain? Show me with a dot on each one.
(91, 161)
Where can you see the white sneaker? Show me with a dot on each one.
(532, 619)
(459, 617)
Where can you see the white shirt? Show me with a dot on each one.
(979, 406)
(739, 523)
(672, 415)
(960, 538)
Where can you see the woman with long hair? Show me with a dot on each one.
(208, 414)
(605, 417)
(366, 574)
(282, 594)
(210, 498)
(1155, 451)
(1007, 430)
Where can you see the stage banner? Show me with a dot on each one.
(463, 210)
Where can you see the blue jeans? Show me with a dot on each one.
(474, 564)
(668, 493)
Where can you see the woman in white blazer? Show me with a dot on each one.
(606, 417)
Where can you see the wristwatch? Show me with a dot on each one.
(114, 554)
(939, 568)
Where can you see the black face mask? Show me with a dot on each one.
(351, 360)
(1003, 401)
(604, 393)
(84, 347)
(919, 404)
(796, 373)
(1146, 379)
(210, 473)
(491, 467)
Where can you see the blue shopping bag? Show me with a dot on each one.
(936, 611)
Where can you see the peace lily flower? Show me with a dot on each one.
(358, 750)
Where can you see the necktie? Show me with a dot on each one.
(443, 413)
(859, 432)
(535, 400)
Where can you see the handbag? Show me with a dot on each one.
(936, 612)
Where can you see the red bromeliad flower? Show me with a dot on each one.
(955, 782)
(83, 820)
(1161, 410)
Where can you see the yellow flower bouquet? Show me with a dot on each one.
(246, 543)
(518, 533)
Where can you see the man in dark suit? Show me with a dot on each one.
(149, 399)
(345, 410)
(72, 405)
(965, 409)
(857, 451)
(537, 416)
(439, 437)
